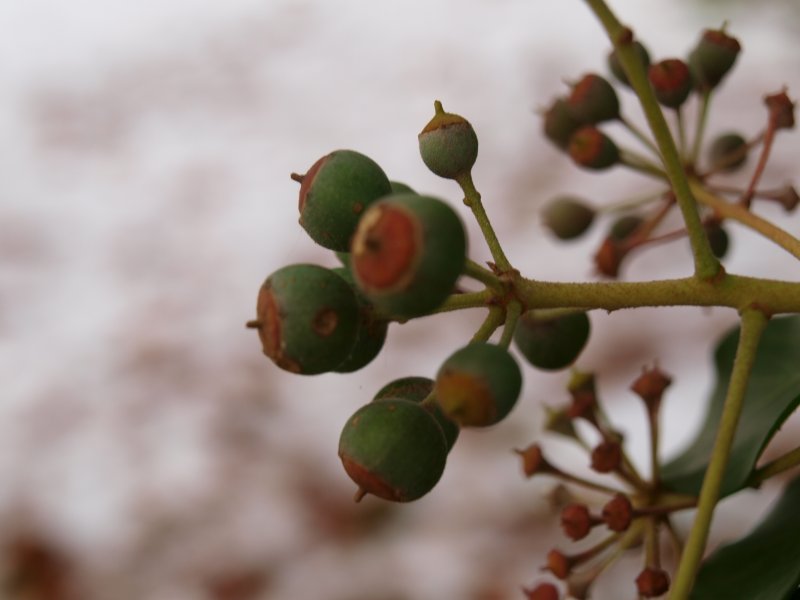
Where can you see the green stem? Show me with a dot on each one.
(735, 291)
(513, 311)
(705, 102)
(739, 213)
(462, 301)
(640, 135)
(482, 274)
(472, 198)
(705, 263)
(753, 324)
(775, 467)
(493, 320)
(634, 161)
(681, 131)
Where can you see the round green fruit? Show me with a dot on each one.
(478, 385)
(393, 449)
(727, 152)
(552, 343)
(624, 227)
(568, 217)
(398, 187)
(370, 334)
(307, 319)
(712, 58)
(417, 389)
(407, 253)
(616, 67)
(593, 100)
(718, 239)
(671, 81)
(335, 192)
(448, 144)
(591, 148)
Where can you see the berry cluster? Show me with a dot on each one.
(572, 123)
(632, 517)
(402, 255)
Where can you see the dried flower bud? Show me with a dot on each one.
(618, 513)
(558, 563)
(652, 582)
(559, 421)
(608, 257)
(650, 385)
(787, 197)
(781, 110)
(584, 396)
(576, 521)
(543, 591)
(606, 456)
(533, 461)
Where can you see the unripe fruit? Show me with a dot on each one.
(370, 334)
(398, 187)
(718, 239)
(593, 100)
(591, 148)
(616, 67)
(552, 343)
(559, 123)
(712, 58)
(393, 449)
(417, 389)
(568, 217)
(478, 385)
(624, 227)
(307, 319)
(671, 81)
(407, 254)
(448, 144)
(727, 152)
(334, 194)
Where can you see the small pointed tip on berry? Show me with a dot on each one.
(359, 495)
(437, 107)
(533, 460)
(297, 177)
(254, 324)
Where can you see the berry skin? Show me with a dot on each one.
(593, 100)
(624, 227)
(407, 254)
(712, 58)
(307, 319)
(718, 239)
(671, 81)
(448, 144)
(553, 343)
(616, 67)
(417, 389)
(591, 148)
(478, 385)
(568, 217)
(370, 334)
(398, 187)
(393, 449)
(727, 152)
(559, 123)
(335, 192)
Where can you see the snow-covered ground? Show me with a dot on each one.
(148, 451)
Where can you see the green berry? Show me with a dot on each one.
(448, 144)
(593, 100)
(568, 217)
(616, 67)
(552, 343)
(624, 226)
(559, 123)
(398, 187)
(307, 319)
(591, 148)
(478, 385)
(712, 58)
(671, 81)
(393, 449)
(407, 254)
(370, 334)
(727, 152)
(418, 389)
(335, 192)
(718, 239)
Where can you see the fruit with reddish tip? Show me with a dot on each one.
(593, 100)
(671, 81)
(712, 58)
(448, 144)
(393, 449)
(559, 123)
(307, 319)
(591, 148)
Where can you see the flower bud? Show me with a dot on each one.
(781, 110)
(618, 513)
(576, 521)
(712, 58)
(650, 385)
(652, 582)
(606, 456)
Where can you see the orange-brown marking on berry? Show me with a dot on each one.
(325, 322)
(464, 398)
(586, 145)
(386, 249)
(358, 207)
(720, 38)
(369, 482)
(269, 330)
(583, 89)
(669, 75)
(308, 179)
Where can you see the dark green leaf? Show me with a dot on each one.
(763, 565)
(772, 395)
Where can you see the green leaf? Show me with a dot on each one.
(772, 395)
(763, 565)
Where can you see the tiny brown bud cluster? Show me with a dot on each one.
(652, 582)
(781, 110)
(618, 513)
(577, 522)
(607, 456)
(650, 385)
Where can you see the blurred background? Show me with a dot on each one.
(148, 450)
